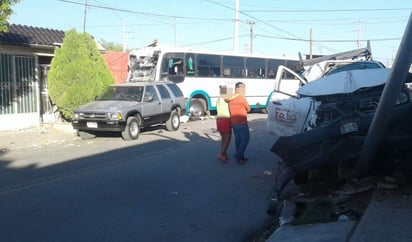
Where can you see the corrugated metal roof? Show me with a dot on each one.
(28, 35)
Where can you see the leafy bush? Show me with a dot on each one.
(78, 73)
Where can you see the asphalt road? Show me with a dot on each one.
(165, 186)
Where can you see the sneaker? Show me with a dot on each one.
(223, 158)
(240, 160)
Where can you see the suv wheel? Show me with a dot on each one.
(173, 123)
(132, 129)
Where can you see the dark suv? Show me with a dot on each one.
(128, 107)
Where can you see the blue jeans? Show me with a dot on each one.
(242, 137)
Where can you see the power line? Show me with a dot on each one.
(325, 10)
(254, 18)
(214, 41)
(144, 13)
(391, 19)
(329, 41)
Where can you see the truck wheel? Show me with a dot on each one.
(197, 108)
(132, 129)
(85, 135)
(173, 123)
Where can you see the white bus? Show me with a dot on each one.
(200, 73)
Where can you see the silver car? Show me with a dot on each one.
(128, 107)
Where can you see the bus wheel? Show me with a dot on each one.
(197, 108)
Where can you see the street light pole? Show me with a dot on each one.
(124, 33)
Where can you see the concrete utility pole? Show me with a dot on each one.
(124, 36)
(84, 19)
(251, 23)
(310, 44)
(235, 34)
(174, 30)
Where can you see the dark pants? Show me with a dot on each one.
(242, 137)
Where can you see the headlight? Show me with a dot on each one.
(114, 116)
(75, 116)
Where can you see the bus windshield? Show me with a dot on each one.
(142, 67)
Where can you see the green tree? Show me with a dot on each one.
(111, 46)
(78, 73)
(5, 12)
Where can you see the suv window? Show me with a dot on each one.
(164, 93)
(176, 90)
(150, 94)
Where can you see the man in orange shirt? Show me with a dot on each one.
(239, 108)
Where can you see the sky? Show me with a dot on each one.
(269, 27)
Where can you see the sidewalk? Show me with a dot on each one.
(34, 138)
(386, 219)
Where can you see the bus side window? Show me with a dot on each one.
(273, 67)
(215, 71)
(208, 65)
(255, 68)
(175, 66)
(235, 64)
(190, 65)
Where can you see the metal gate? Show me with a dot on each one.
(46, 107)
(18, 84)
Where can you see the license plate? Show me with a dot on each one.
(285, 116)
(349, 127)
(91, 125)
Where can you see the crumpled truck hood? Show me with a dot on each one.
(345, 82)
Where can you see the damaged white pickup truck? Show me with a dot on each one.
(321, 117)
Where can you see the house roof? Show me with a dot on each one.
(23, 35)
